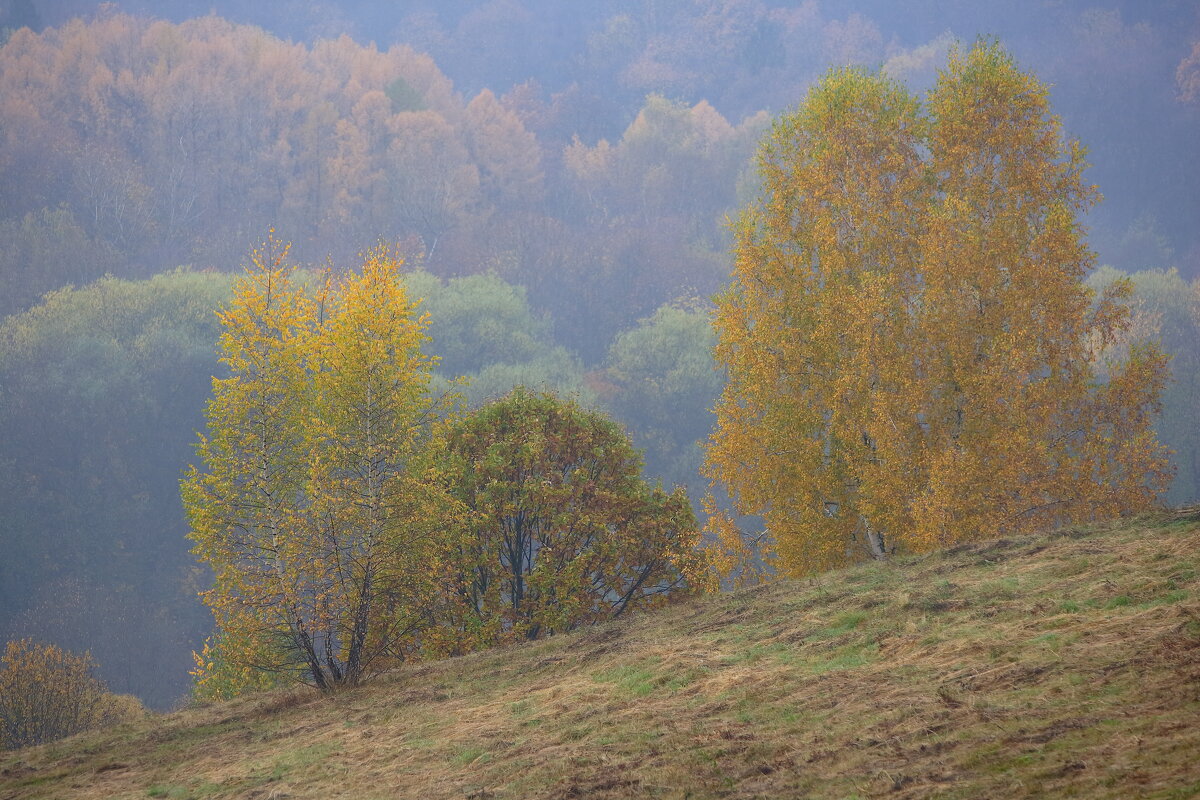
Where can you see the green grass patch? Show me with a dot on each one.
(470, 755)
(1048, 638)
(1170, 598)
(849, 657)
(686, 678)
(999, 590)
(172, 792)
(175, 792)
(842, 625)
(1182, 793)
(298, 759)
(419, 742)
(774, 651)
(636, 679)
(849, 621)
(1183, 573)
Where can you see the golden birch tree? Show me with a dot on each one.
(247, 507)
(812, 330)
(909, 345)
(310, 502)
(377, 498)
(1019, 432)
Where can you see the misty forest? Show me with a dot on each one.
(338, 335)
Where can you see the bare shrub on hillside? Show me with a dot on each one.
(48, 693)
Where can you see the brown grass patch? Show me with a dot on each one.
(1060, 665)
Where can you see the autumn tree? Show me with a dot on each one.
(47, 693)
(561, 529)
(377, 501)
(433, 185)
(312, 508)
(246, 508)
(911, 350)
(1020, 432)
(508, 155)
(1166, 308)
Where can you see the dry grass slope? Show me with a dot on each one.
(1064, 665)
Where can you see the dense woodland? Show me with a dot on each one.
(563, 211)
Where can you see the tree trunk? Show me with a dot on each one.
(876, 545)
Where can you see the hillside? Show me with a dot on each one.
(1064, 665)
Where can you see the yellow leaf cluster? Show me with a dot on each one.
(316, 501)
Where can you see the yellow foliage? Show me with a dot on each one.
(316, 502)
(218, 678)
(909, 343)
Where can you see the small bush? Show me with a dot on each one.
(117, 709)
(47, 693)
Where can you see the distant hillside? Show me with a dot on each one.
(1063, 665)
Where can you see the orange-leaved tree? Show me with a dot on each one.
(911, 350)
(314, 504)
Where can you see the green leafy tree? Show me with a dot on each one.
(43, 251)
(404, 96)
(561, 529)
(476, 321)
(664, 384)
(483, 329)
(101, 388)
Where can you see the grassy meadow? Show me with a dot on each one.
(1059, 665)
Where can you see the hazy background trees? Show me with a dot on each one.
(103, 389)
(1121, 70)
(621, 140)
